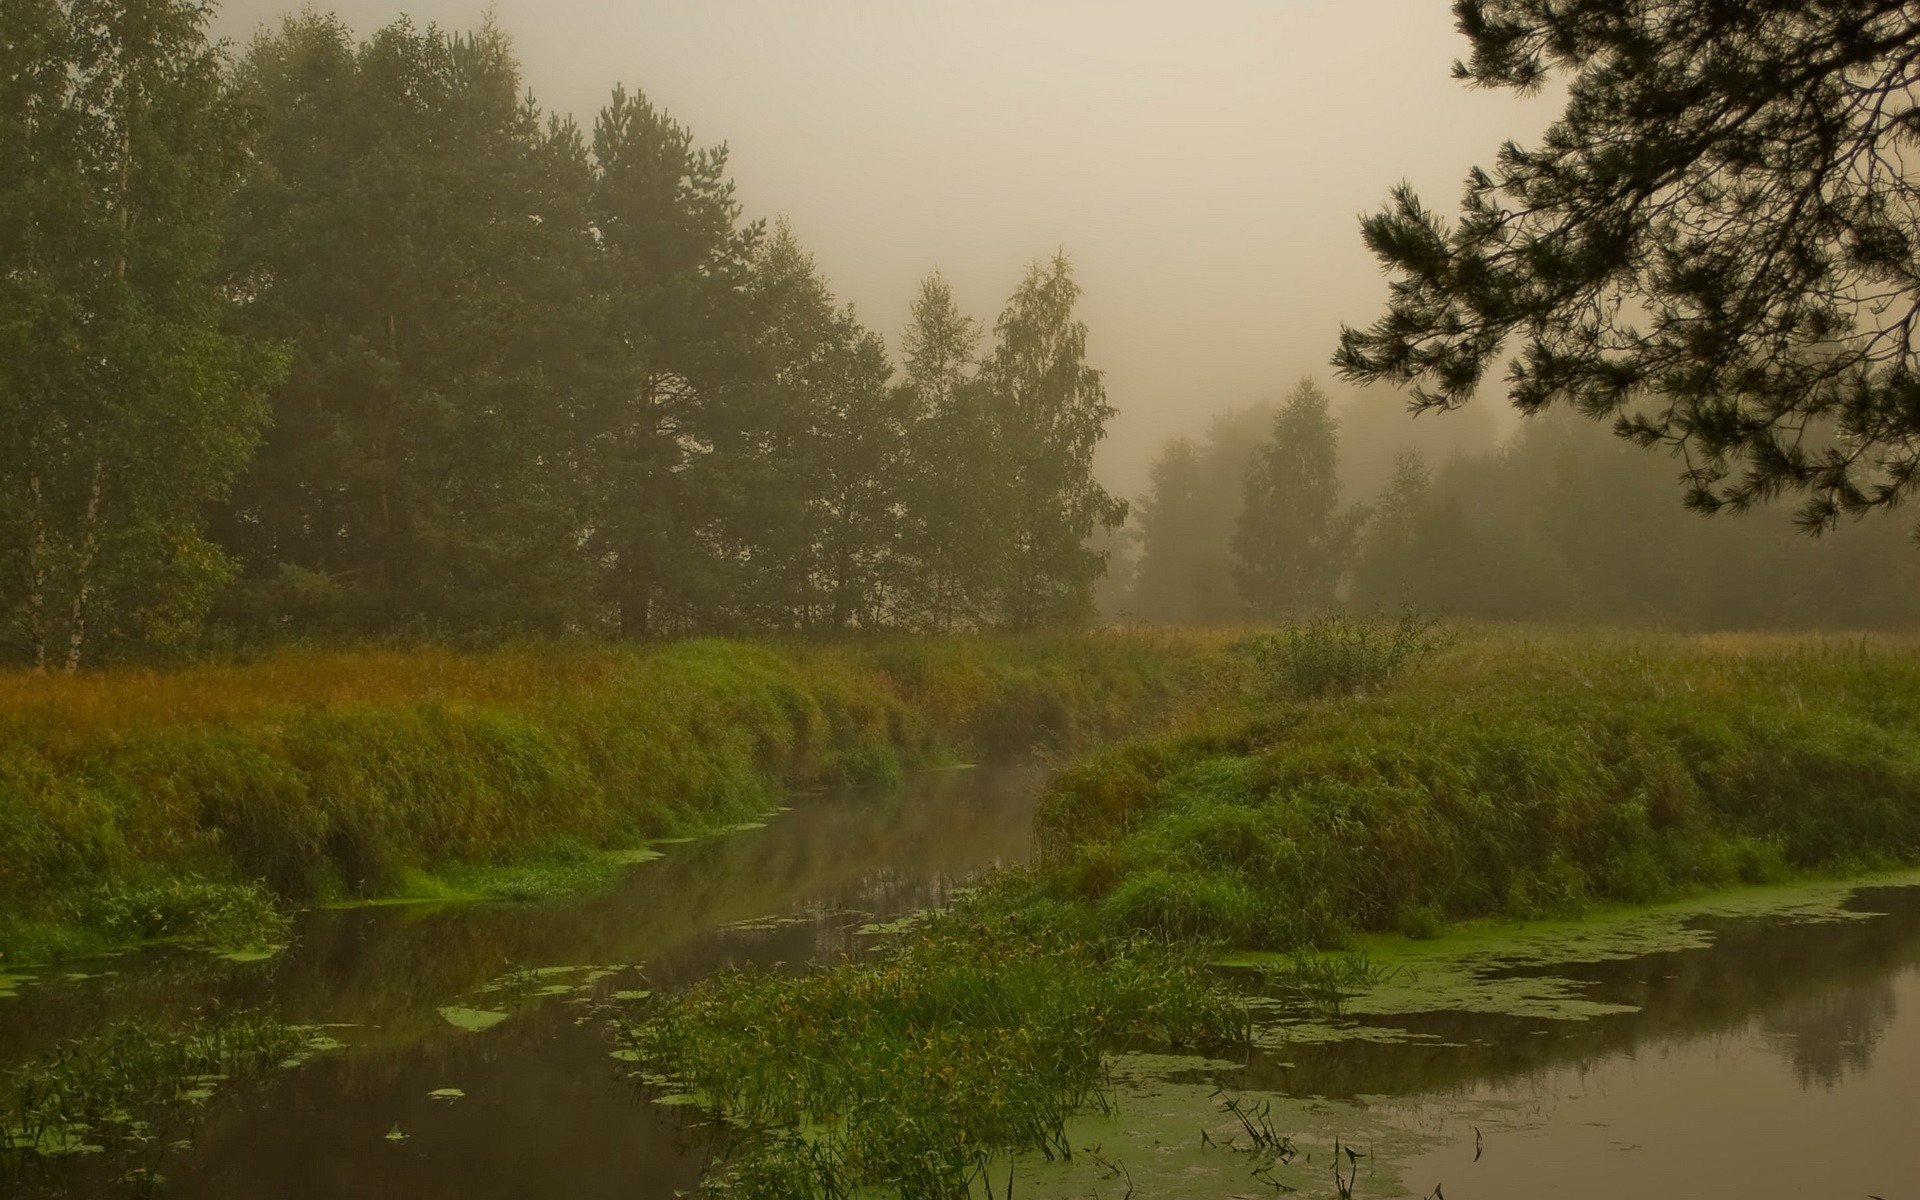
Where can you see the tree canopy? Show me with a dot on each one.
(1714, 247)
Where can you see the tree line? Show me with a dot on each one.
(350, 336)
(1258, 519)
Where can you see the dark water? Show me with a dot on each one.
(1783, 1061)
(545, 1110)
(1780, 1063)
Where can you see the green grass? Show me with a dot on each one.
(918, 1072)
(326, 775)
(1518, 776)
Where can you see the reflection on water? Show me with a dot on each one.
(1784, 1061)
(544, 1112)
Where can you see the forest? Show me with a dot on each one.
(414, 357)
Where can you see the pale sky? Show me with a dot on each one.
(1204, 162)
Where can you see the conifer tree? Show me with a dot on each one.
(126, 406)
(1187, 520)
(1293, 544)
(1387, 568)
(828, 434)
(1714, 248)
(419, 234)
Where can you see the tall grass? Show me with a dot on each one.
(915, 1073)
(1342, 655)
(1518, 776)
(348, 773)
(97, 1093)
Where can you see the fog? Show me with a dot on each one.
(1204, 164)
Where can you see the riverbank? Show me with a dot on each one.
(1517, 775)
(196, 804)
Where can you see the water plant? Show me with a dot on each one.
(104, 1092)
(1323, 981)
(919, 1070)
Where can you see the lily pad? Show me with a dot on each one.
(473, 1020)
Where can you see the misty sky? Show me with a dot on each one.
(1203, 162)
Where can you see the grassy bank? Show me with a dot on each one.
(1518, 776)
(140, 805)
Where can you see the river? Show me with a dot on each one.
(1760, 1055)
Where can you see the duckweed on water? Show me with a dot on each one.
(919, 1070)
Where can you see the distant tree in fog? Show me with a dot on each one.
(1293, 544)
(1186, 520)
(950, 543)
(1388, 564)
(1717, 246)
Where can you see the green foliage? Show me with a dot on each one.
(664, 379)
(96, 1092)
(1515, 778)
(135, 806)
(417, 233)
(1342, 655)
(1052, 412)
(128, 407)
(1701, 249)
(915, 1072)
(1324, 981)
(189, 909)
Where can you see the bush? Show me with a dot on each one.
(1341, 655)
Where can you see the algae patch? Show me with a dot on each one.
(472, 1020)
(1505, 967)
(1173, 1136)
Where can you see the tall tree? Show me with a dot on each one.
(127, 407)
(1170, 516)
(1052, 411)
(1293, 544)
(666, 431)
(418, 232)
(829, 436)
(1715, 247)
(950, 545)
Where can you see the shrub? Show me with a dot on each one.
(1341, 655)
